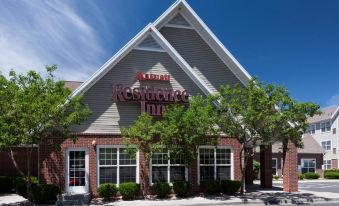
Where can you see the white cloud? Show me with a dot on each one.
(334, 100)
(38, 33)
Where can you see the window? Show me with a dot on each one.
(214, 163)
(326, 126)
(327, 164)
(116, 166)
(317, 126)
(274, 166)
(307, 165)
(312, 129)
(326, 145)
(167, 169)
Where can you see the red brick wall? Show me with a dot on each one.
(20, 153)
(52, 163)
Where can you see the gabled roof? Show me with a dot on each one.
(182, 7)
(327, 114)
(152, 29)
(311, 146)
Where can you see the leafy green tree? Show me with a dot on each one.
(34, 109)
(261, 113)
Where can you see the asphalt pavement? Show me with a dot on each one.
(315, 186)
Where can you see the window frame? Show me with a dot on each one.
(276, 166)
(215, 161)
(118, 147)
(308, 159)
(323, 125)
(327, 145)
(327, 164)
(168, 166)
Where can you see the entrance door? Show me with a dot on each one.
(77, 171)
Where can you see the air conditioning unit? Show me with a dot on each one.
(334, 150)
(334, 130)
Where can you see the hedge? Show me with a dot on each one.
(311, 175)
(210, 186)
(182, 188)
(161, 189)
(45, 193)
(129, 190)
(107, 190)
(331, 175)
(230, 186)
(6, 184)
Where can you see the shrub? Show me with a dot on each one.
(45, 193)
(331, 170)
(230, 186)
(182, 188)
(210, 186)
(6, 184)
(161, 189)
(311, 175)
(21, 185)
(129, 190)
(331, 175)
(301, 176)
(276, 177)
(107, 191)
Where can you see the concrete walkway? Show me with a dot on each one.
(12, 199)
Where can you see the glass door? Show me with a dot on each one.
(77, 167)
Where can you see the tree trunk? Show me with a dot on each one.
(242, 169)
(11, 156)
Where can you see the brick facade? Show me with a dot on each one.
(20, 153)
(53, 164)
(290, 170)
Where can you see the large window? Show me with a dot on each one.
(166, 168)
(215, 163)
(307, 165)
(116, 166)
(327, 164)
(326, 145)
(274, 166)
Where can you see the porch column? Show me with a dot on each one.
(266, 166)
(290, 169)
(249, 174)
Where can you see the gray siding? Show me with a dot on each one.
(109, 117)
(200, 56)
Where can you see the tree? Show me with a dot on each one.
(34, 109)
(261, 113)
(181, 130)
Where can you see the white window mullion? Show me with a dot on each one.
(168, 168)
(118, 168)
(215, 163)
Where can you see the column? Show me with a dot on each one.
(266, 166)
(290, 169)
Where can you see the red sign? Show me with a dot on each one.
(154, 77)
(152, 100)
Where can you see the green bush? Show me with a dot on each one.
(107, 191)
(331, 170)
(256, 169)
(331, 175)
(230, 186)
(6, 184)
(161, 189)
(276, 177)
(311, 175)
(45, 193)
(301, 176)
(210, 186)
(129, 190)
(21, 185)
(182, 188)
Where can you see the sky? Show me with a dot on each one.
(287, 42)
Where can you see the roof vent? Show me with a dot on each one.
(179, 20)
(149, 43)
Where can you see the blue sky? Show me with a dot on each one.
(288, 42)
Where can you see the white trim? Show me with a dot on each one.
(315, 164)
(149, 49)
(86, 187)
(178, 26)
(276, 165)
(168, 166)
(137, 174)
(215, 159)
(335, 113)
(208, 36)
